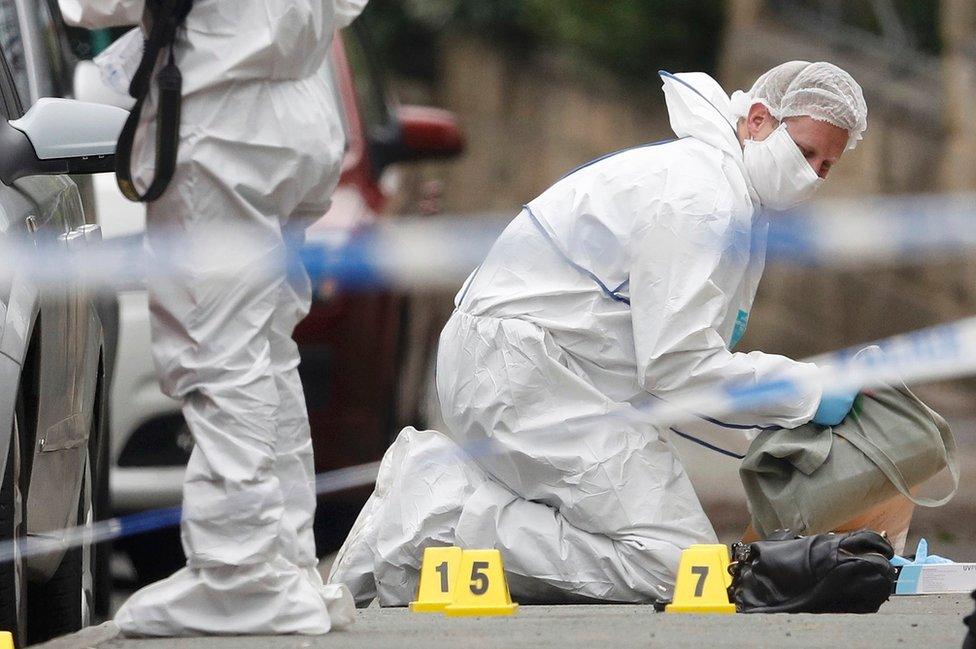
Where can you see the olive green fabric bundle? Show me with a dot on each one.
(812, 479)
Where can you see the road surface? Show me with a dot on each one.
(929, 622)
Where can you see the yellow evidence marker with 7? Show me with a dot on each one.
(481, 588)
(703, 581)
(438, 574)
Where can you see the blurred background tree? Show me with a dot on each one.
(914, 22)
(631, 38)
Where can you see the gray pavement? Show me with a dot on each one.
(930, 622)
(927, 622)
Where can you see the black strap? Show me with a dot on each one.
(166, 16)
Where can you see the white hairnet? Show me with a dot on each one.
(818, 90)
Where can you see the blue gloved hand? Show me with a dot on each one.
(834, 406)
(922, 557)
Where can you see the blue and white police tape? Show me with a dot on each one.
(876, 230)
(943, 352)
(716, 417)
(439, 252)
(157, 519)
(414, 253)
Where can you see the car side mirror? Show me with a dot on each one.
(428, 133)
(423, 134)
(60, 136)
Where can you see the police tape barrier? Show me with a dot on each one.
(414, 253)
(943, 352)
(878, 230)
(156, 519)
(439, 252)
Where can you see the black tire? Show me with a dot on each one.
(13, 611)
(61, 605)
(55, 607)
(102, 553)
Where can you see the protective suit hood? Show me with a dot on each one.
(699, 108)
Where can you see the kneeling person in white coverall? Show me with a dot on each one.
(629, 279)
(260, 148)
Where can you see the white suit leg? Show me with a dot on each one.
(211, 330)
(423, 483)
(294, 465)
(213, 325)
(591, 502)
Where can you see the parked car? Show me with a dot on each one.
(54, 378)
(352, 343)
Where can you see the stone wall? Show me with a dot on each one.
(527, 122)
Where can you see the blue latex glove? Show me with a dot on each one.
(834, 406)
(922, 557)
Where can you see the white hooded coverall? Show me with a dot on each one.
(261, 142)
(629, 277)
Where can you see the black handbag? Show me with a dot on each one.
(823, 573)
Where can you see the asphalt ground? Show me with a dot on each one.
(929, 622)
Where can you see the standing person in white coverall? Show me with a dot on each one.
(261, 142)
(630, 279)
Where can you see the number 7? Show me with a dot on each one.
(702, 572)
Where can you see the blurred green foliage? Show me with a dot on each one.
(922, 21)
(919, 18)
(633, 38)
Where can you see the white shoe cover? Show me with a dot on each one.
(266, 599)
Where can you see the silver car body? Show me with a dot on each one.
(51, 346)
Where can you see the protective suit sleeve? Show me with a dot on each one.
(97, 14)
(685, 264)
(347, 11)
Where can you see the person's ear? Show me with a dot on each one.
(759, 123)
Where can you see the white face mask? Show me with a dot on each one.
(779, 173)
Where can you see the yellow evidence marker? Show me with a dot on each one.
(6, 640)
(703, 581)
(438, 572)
(481, 587)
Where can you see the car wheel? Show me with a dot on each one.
(13, 595)
(66, 602)
(101, 499)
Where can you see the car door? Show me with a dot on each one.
(50, 211)
(17, 297)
